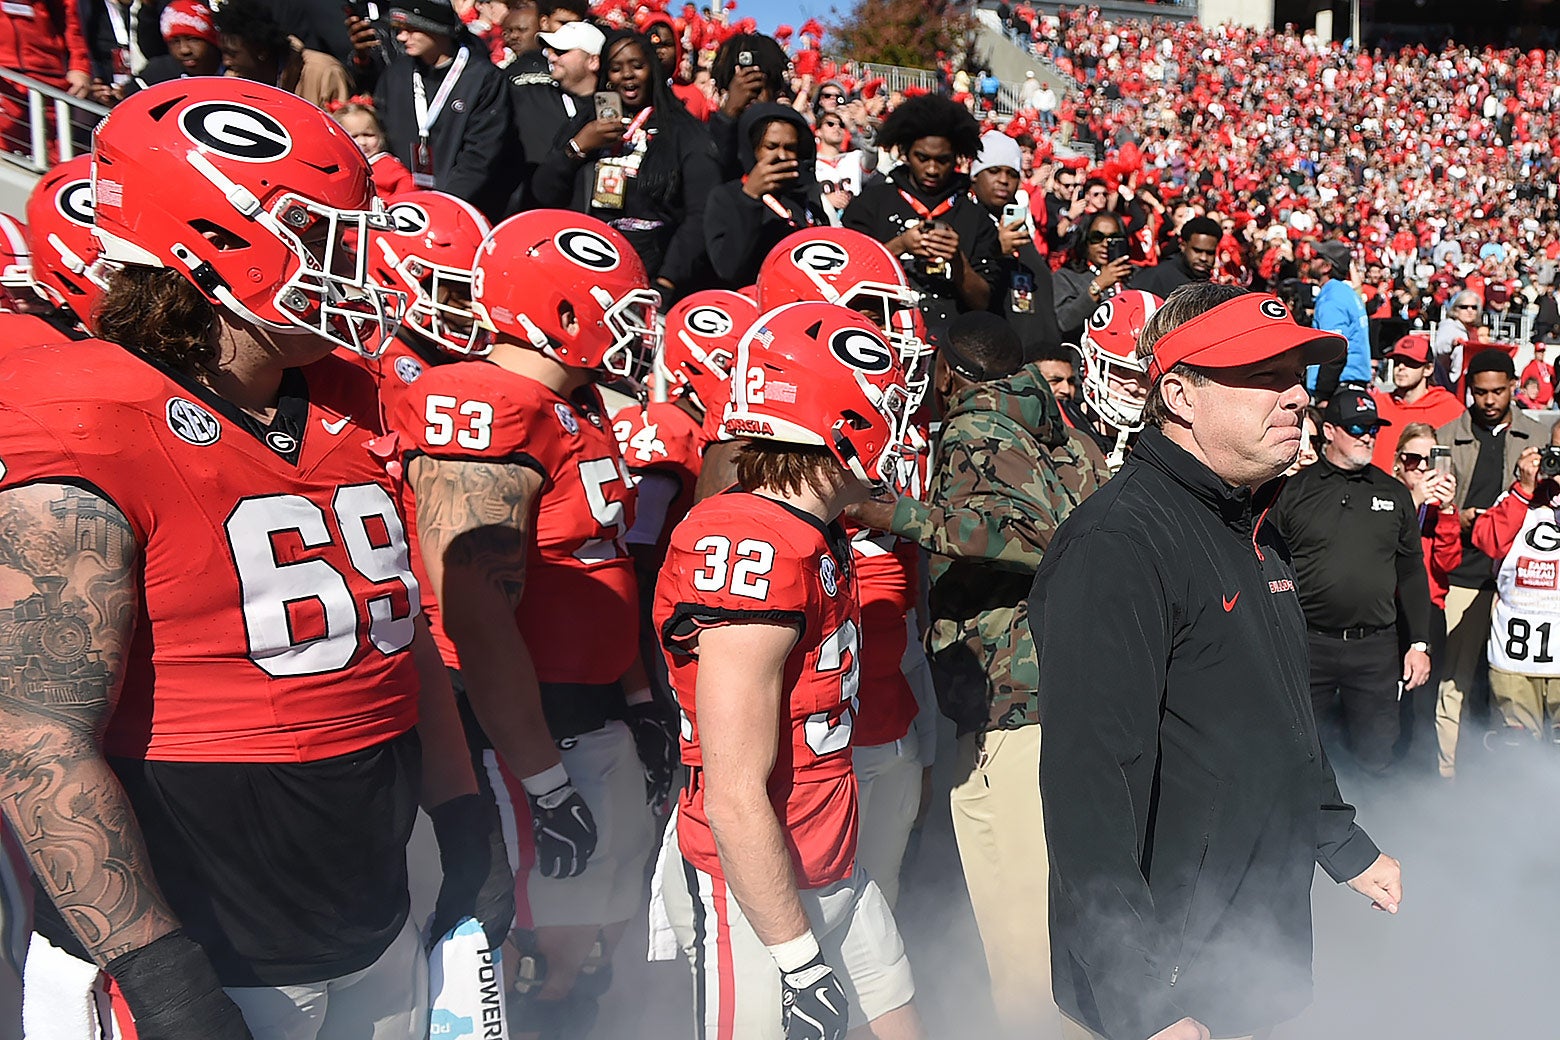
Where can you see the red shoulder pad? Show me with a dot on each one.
(473, 411)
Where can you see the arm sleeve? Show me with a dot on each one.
(1446, 545)
(997, 502)
(78, 56)
(1342, 848)
(488, 135)
(654, 495)
(1104, 656)
(731, 227)
(700, 179)
(1413, 584)
(1496, 528)
(553, 182)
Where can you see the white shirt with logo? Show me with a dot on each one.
(1525, 624)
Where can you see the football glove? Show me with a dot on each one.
(812, 1003)
(564, 829)
(477, 880)
(655, 738)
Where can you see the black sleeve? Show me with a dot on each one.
(731, 232)
(1102, 622)
(488, 140)
(700, 178)
(1413, 585)
(723, 131)
(984, 250)
(1343, 849)
(553, 183)
(1043, 309)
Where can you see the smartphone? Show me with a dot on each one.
(1013, 214)
(1441, 459)
(1115, 249)
(745, 59)
(609, 104)
(935, 268)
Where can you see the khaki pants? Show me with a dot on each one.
(1075, 1031)
(1529, 701)
(888, 792)
(1467, 636)
(1001, 835)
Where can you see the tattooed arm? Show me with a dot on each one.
(60, 672)
(474, 524)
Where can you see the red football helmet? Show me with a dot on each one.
(1110, 361)
(15, 260)
(836, 265)
(66, 268)
(258, 197)
(427, 253)
(700, 344)
(817, 373)
(536, 266)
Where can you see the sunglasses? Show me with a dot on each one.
(1096, 237)
(831, 97)
(829, 124)
(1358, 430)
(1465, 307)
(1412, 460)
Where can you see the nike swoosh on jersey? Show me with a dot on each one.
(336, 427)
(1229, 602)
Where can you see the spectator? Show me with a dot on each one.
(1310, 440)
(1354, 537)
(1524, 677)
(1414, 398)
(521, 30)
(1546, 324)
(1064, 205)
(1486, 442)
(668, 49)
(1192, 262)
(1089, 276)
(654, 176)
(558, 13)
(1180, 755)
(990, 87)
(1434, 493)
(544, 105)
(766, 79)
(122, 36)
(1023, 294)
(1058, 366)
(320, 24)
(445, 108)
(924, 214)
(744, 219)
(194, 46)
(255, 47)
(361, 122)
(1045, 105)
(1452, 335)
(1006, 474)
(1339, 309)
(41, 39)
(839, 171)
(1538, 389)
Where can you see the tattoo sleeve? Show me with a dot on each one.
(68, 605)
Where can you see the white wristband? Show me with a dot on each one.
(546, 780)
(795, 953)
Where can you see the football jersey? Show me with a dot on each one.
(1525, 622)
(886, 577)
(277, 599)
(397, 366)
(663, 438)
(740, 557)
(578, 614)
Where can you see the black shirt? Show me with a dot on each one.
(1355, 541)
(1485, 484)
(1164, 277)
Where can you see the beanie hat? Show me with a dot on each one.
(997, 149)
(188, 18)
(430, 16)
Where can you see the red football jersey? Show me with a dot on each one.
(742, 557)
(395, 368)
(663, 439)
(886, 577)
(578, 615)
(277, 597)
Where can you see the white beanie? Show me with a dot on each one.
(997, 149)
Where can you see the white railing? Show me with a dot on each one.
(896, 77)
(58, 125)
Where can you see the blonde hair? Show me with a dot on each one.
(1410, 432)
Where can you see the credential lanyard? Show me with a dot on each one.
(927, 215)
(427, 114)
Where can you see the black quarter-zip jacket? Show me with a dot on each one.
(1186, 795)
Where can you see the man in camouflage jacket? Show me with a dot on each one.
(1006, 471)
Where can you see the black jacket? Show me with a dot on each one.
(1357, 548)
(101, 41)
(1026, 298)
(542, 110)
(476, 153)
(1164, 277)
(739, 230)
(1186, 795)
(882, 213)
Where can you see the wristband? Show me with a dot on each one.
(575, 149)
(551, 779)
(796, 953)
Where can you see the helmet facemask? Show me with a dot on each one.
(636, 334)
(1100, 372)
(440, 306)
(884, 474)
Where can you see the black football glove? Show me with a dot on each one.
(812, 1003)
(655, 738)
(173, 993)
(564, 829)
(477, 880)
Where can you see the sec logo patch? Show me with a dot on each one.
(566, 418)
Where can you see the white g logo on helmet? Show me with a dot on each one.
(820, 257)
(1099, 321)
(862, 350)
(709, 321)
(235, 131)
(74, 201)
(408, 218)
(587, 249)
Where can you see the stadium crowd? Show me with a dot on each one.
(621, 435)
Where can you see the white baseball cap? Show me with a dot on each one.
(575, 36)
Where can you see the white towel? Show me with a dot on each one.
(662, 941)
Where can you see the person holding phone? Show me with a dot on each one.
(1096, 269)
(1024, 291)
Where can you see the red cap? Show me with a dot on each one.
(1413, 347)
(1250, 328)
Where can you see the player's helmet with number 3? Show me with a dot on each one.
(1109, 349)
(571, 287)
(255, 195)
(66, 268)
(427, 253)
(700, 345)
(816, 373)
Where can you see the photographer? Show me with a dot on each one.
(1024, 294)
(1518, 532)
(1097, 268)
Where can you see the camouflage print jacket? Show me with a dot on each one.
(1006, 472)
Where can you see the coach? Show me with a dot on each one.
(1186, 795)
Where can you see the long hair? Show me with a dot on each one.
(1078, 256)
(660, 174)
(157, 313)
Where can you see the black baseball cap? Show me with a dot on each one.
(1352, 408)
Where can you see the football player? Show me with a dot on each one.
(426, 253)
(68, 272)
(521, 502)
(219, 681)
(786, 935)
(1115, 379)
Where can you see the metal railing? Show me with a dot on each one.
(57, 126)
(896, 77)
